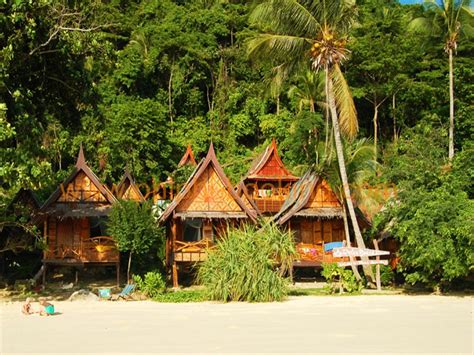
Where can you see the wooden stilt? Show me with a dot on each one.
(76, 278)
(44, 274)
(291, 275)
(117, 269)
(175, 275)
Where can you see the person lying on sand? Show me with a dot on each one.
(47, 309)
(26, 308)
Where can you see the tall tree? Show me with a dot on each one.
(298, 33)
(450, 19)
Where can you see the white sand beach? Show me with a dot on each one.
(356, 324)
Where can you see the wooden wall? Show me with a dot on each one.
(81, 189)
(317, 231)
(323, 196)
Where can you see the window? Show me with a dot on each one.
(192, 230)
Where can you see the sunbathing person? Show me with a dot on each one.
(26, 308)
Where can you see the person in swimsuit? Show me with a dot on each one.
(47, 309)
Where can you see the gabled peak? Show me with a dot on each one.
(81, 160)
(188, 158)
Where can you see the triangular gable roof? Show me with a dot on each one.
(188, 158)
(243, 193)
(25, 197)
(269, 166)
(81, 166)
(300, 200)
(128, 189)
(209, 162)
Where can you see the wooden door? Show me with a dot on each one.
(327, 231)
(306, 232)
(318, 232)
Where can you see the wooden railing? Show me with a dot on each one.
(96, 249)
(191, 251)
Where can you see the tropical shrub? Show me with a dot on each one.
(181, 296)
(152, 284)
(431, 215)
(134, 229)
(339, 279)
(248, 265)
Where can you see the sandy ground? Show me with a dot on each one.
(358, 324)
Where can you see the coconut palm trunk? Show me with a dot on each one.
(451, 106)
(342, 170)
(342, 164)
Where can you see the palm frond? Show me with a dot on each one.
(281, 48)
(285, 17)
(345, 104)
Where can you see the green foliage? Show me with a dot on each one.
(152, 284)
(339, 279)
(386, 275)
(432, 214)
(133, 227)
(181, 296)
(248, 265)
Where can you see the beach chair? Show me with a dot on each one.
(126, 293)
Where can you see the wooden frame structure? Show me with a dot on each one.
(201, 212)
(73, 222)
(315, 215)
(268, 181)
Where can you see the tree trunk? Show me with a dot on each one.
(326, 143)
(394, 119)
(278, 104)
(170, 99)
(311, 105)
(451, 106)
(343, 173)
(348, 241)
(128, 266)
(376, 114)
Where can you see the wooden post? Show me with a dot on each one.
(44, 274)
(117, 269)
(175, 275)
(76, 278)
(377, 267)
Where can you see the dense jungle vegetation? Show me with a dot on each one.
(136, 81)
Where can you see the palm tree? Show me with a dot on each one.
(309, 91)
(313, 33)
(450, 18)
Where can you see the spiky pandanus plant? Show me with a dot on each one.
(313, 33)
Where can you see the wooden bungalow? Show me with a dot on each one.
(268, 181)
(314, 214)
(127, 189)
(201, 212)
(74, 222)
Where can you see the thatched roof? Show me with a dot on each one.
(300, 194)
(243, 193)
(77, 210)
(191, 186)
(81, 166)
(268, 166)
